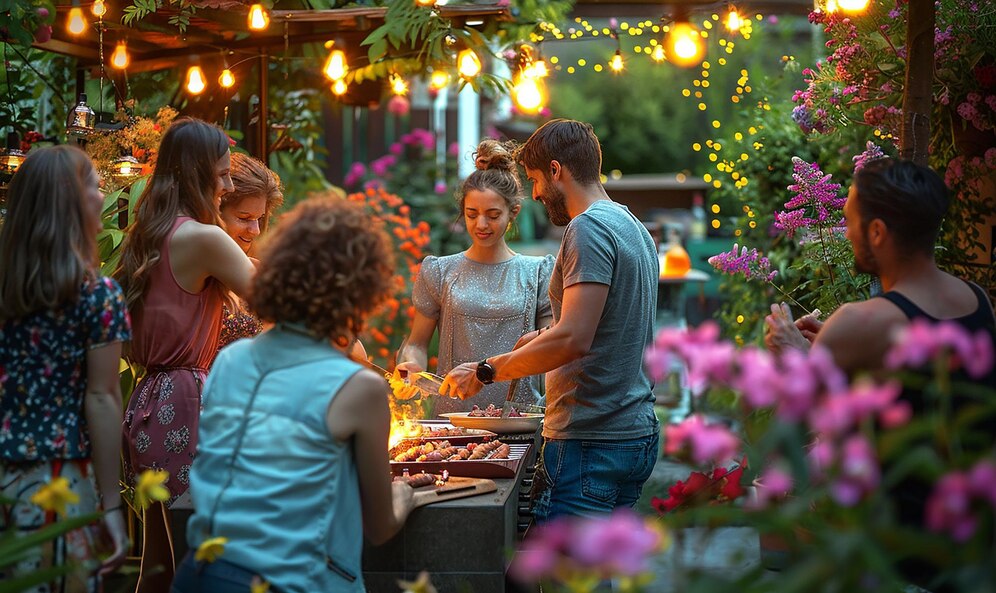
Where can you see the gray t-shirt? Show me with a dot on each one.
(482, 311)
(606, 394)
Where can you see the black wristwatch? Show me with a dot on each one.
(485, 372)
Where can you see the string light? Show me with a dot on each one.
(468, 64)
(120, 58)
(852, 6)
(339, 87)
(658, 53)
(227, 79)
(195, 80)
(99, 9)
(733, 20)
(617, 62)
(398, 85)
(540, 69)
(684, 45)
(336, 66)
(439, 79)
(259, 18)
(76, 23)
(425, 3)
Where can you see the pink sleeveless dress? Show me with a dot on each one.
(175, 337)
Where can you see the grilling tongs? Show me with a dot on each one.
(506, 408)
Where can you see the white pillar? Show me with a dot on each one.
(468, 129)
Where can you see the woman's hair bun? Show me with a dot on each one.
(494, 154)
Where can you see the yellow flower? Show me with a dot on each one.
(150, 488)
(258, 585)
(210, 549)
(55, 495)
(419, 585)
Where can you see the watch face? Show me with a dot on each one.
(485, 373)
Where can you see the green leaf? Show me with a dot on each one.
(377, 50)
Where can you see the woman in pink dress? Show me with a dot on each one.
(177, 268)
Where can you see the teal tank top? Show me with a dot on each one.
(268, 476)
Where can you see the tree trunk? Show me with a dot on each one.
(915, 138)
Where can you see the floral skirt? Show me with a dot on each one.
(160, 427)
(18, 482)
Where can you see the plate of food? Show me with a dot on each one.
(490, 419)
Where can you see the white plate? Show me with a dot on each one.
(525, 423)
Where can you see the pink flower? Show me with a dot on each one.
(619, 544)
(398, 105)
(454, 149)
(896, 415)
(396, 149)
(759, 380)
(982, 481)
(859, 472)
(440, 187)
(948, 508)
(820, 457)
(709, 444)
(773, 484)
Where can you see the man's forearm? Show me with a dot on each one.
(551, 349)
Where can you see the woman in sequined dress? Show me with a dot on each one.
(483, 299)
(246, 212)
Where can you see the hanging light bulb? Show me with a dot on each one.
(425, 2)
(439, 79)
(617, 62)
(99, 9)
(831, 6)
(120, 57)
(540, 70)
(335, 65)
(76, 23)
(684, 44)
(528, 94)
(259, 18)
(733, 20)
(658, 53)
(398, 85)
(468, 63)
(339, 87)
(852, 6)
(195, 80)
(227, 79)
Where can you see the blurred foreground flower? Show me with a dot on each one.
(421, 584)
(578, 553)
(210, 549)
(259, 585)
(55, 495)
(149, 488)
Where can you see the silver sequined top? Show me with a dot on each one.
(482, 310)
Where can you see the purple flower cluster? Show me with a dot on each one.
(596, 547)
(949, 508)
(416, 142)
(751, 264)
(816, 198)
(921, 341)
(872, 152)
(978, 111)
(707, 443)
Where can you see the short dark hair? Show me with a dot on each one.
(571, 143)
(909, 198)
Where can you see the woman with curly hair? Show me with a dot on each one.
(245, 212)
(61, 329)
(483, 299)
(178, 266)
(292, 467)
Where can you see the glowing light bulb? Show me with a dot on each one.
(259, 18)
(336, 66)
(195, 80)
(98, 9)
(468, 63)
(398, 85)
(120, 58)
(227, 79)
(852, 5)
(617, 62)
(658, 53)
(439, 79)
(831, 6)
(528, 95)
(425, 2)
(76, 24)
(684, 44)
(540, 69)
(733, 20)
(339, 87)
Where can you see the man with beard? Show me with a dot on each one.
(601, 437)
(893, 211)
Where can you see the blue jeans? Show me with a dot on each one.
(593, 477)
(213, 577)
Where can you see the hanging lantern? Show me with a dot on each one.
(10, 160)
(76, 24)
(468, 64)
(81, 119)
(126, 166)
(195, 80)
(120, 58)
(227, 79)
(439, 79)
(336, 66)
(339, 87)
(99, 9)
(617, 62)
(398, 85)
(684, 44)
(259, 18)
(528, 94)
